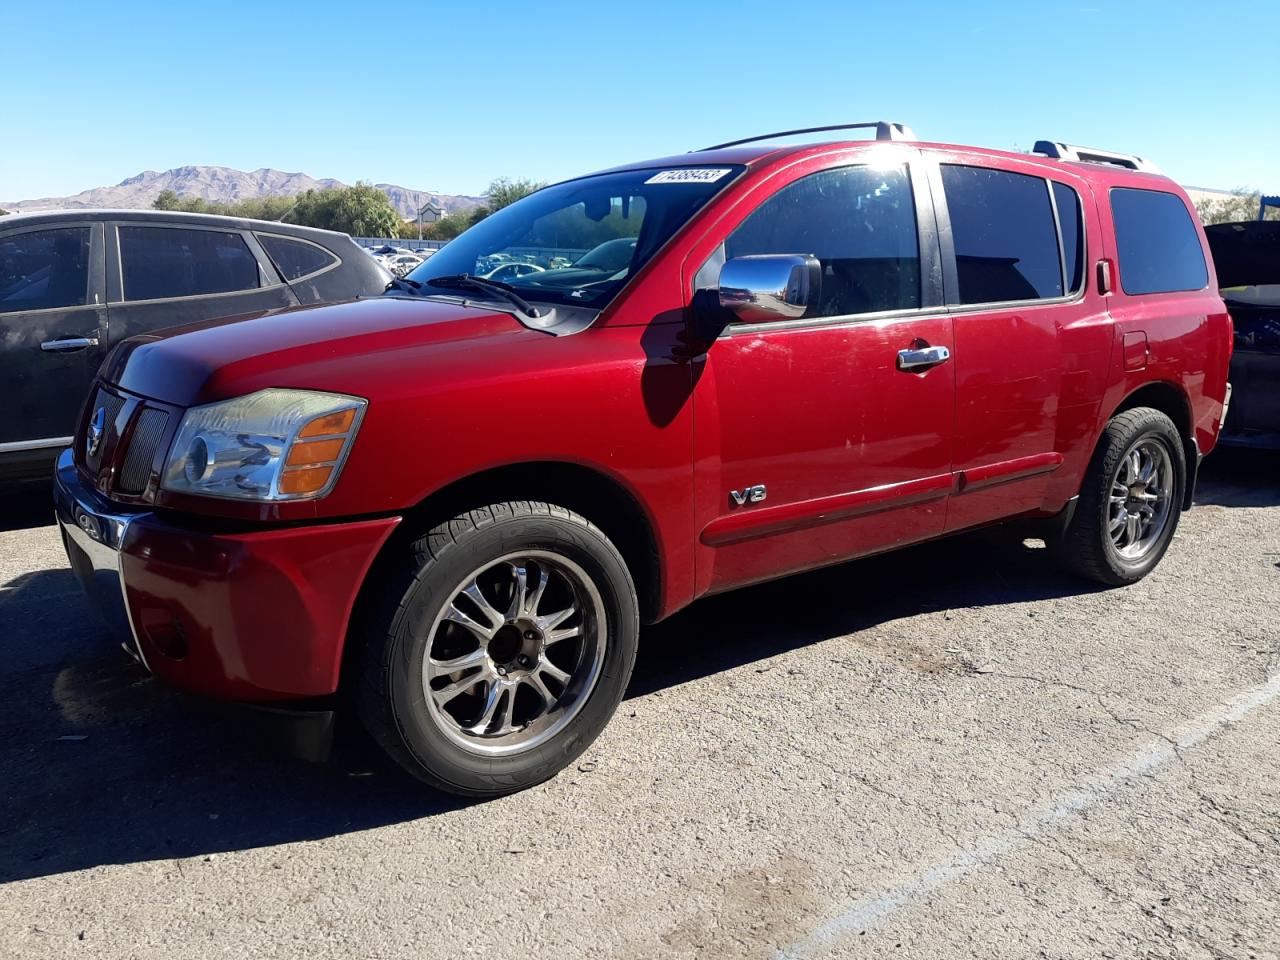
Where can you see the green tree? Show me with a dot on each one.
(505, 191)
(261, 208)
(252, 208)
(501, 193)
(362, 211)
(1242, 204)
(447, 227)
(169, 200)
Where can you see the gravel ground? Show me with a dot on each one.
(954, 751)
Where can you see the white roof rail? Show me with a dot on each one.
(1068, 151)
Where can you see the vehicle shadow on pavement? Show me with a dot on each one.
(980, 569)
(103, 765)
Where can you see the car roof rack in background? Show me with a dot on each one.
(885, 130)
(1067, 151)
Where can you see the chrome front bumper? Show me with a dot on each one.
(93, 532)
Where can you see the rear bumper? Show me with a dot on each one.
(257, 616)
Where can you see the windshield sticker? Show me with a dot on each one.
(689, 175)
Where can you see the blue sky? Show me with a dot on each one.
(446, 96)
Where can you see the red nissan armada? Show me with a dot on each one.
(457, 503)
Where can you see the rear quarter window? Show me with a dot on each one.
(1156, 243)
(295, 258)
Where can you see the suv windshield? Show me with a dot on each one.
(579, 242)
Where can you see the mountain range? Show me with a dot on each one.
(224, 184)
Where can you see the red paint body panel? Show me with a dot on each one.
(858, 456)
(1135, 350)
(823, 417)
(1029, 379)
(262, 615)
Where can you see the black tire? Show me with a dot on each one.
(1086, 546)
(425, 573)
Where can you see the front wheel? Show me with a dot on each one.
(1130, 502)
(502, 651)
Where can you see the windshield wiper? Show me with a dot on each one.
(465, 281)
(403, 283)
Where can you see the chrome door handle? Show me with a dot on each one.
(68, 344)
(916, 359)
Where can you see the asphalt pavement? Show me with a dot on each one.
(952, 751)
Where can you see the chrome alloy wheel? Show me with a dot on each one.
(1141, 499)
(515, 653)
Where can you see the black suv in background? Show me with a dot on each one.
(1247, 258)
(75, 282)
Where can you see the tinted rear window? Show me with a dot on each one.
(159, 262)
(1156, 240)
(295, 258)
(1005, 239)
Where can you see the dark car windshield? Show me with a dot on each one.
(587, 236)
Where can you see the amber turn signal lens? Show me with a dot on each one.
(329, 424)
(313, 451)
(305, 480)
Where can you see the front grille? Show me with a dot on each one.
(135, 430)
(112, 405)
(148, 431)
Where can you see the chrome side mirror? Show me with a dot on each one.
(776, 286)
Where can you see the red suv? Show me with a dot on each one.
(459, 501)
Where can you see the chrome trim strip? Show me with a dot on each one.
(99, 535)
(1007, 471)
(76, 308)
(16, 445)
(919, 313)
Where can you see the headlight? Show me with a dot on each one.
(270, 445)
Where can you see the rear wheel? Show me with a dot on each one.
(503, 651)
(1130, 502)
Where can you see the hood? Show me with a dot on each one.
(1246, 254)
(331, 347)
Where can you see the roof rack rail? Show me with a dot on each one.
(885, 130)
(1068, 151)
